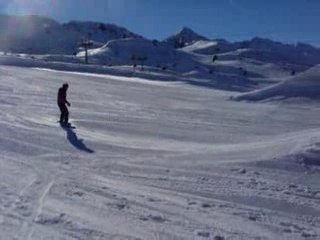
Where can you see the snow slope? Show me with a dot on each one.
(153, 160)
(211, 47)
(226, 72)
(131, 50)
(264, 50)
(306, 84)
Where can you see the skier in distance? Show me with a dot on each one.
(62, 101)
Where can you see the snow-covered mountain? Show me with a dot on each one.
(271, 51)
(183, 38)
(260, 49)
(238, 65)
(159, 57)
(141, 51)
(41, 35)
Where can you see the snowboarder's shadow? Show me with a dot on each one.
(75, 141)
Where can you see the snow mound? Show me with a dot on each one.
(306, 84)
(310, 155)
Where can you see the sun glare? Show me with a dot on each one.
(25, 7)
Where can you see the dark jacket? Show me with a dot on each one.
(62, 96)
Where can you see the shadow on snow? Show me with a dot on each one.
(75, 141)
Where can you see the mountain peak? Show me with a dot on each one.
(183, 37)
(186, 30)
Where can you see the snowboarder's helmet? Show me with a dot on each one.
(65, 85)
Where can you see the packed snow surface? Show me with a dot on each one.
(153, 160)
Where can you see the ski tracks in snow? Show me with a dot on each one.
(38, 211)
(30, 201)
(178, 197)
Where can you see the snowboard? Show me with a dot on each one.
(67, 125)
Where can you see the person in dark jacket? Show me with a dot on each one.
(62, 101)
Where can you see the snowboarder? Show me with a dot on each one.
(62, 101)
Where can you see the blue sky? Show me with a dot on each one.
(284, 20)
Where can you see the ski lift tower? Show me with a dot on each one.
(86, 44)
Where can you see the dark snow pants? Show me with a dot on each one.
(64, 117)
